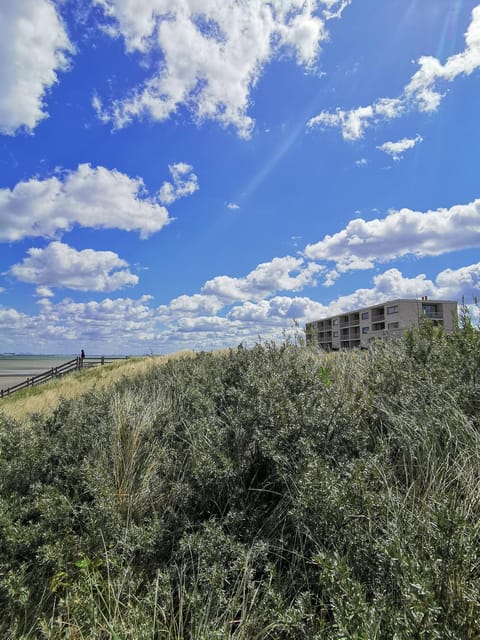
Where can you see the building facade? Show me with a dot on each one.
(389, 319)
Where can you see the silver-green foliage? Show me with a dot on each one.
(273, 492)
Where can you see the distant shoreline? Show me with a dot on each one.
(17, 368)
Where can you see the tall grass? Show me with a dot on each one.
(44, 398)
(263, 493)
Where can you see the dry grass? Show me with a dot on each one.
(44, 398)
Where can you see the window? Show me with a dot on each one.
(335, 321)
(393, 325)
(365, 329)
(430, 310)
(393, 309)
(335, 334)
(365, 315)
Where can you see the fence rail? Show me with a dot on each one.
(57, 372)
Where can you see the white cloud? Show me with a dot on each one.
(362, 243)
(450, 284)
(203, 324)
(352, 123)
(232, 205)
(122, 325)
(390, 284)
(44, 292)
(460, 282)
(335, 8)
(395, 149)
(422, 92)
(281, 274)
(185, 182)
(89, 197)
(191, 305)
(126, 325)
(33, 48)
(278, 310)
(213, 53)
(362, 162)
(330, 278)
(59, 265)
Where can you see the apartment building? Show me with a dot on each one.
(389, 319)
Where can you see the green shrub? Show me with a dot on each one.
(270, 492)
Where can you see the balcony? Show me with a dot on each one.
(354, 319)
(378, 315)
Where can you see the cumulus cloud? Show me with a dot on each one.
(330, 278)
(450, 284)
(33, 48)
(203, 324)
(191, 305)
(390, 284)
(121, 325)
(185, 182)
(396, 149)
(17, 329)
(422, 93)
(281, 274)
(277, 310)
(126, 325)
(362, 243)
(59, 265)
(44, 292)
(89, 197)
(464, 281)
(213, 53)
(232, 205)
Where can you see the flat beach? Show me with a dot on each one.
(15, 369)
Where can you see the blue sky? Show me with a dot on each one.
(192, 174)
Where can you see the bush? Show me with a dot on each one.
(265, 493)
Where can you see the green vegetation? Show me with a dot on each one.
(44, 398)
(264, 493)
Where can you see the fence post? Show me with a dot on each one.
(103, 359)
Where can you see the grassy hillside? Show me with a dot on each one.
(44, 398)
(263, 493)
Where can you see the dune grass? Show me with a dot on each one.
(44, 398)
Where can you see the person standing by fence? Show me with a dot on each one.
(82, 357)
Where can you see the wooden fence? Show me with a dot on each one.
(57, 372)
